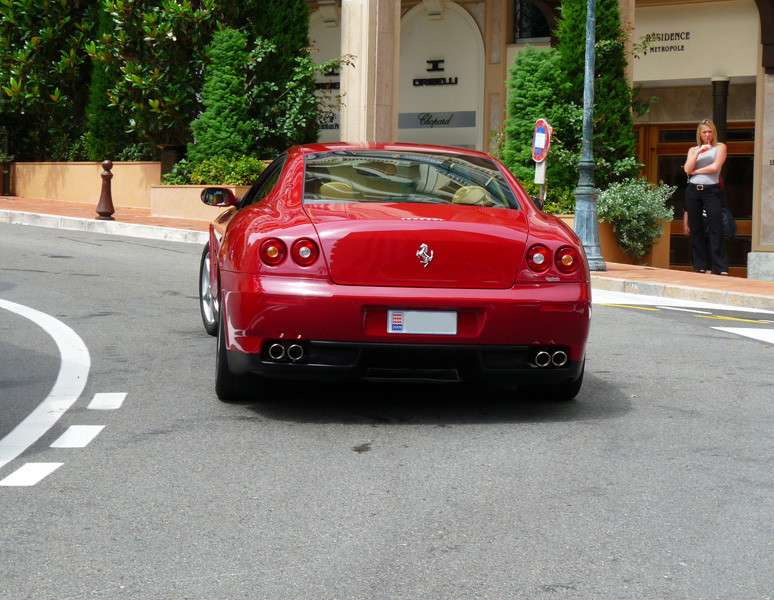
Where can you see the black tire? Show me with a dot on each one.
(208, 304)
(563, 392)
(228, 386)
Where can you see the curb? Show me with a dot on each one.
(107, 227)
(683, 292)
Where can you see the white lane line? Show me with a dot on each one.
(73, 373)
(30, 474)
(688, 310)
(764, 335)
(609, 297)
(77, 436)
(105, 401)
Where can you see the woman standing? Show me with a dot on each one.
(704, 197)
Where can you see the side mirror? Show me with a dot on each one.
(538, 202)
(215, 196)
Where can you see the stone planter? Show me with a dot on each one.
(185, 201)
(657, 257)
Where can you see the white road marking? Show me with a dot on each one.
(30, 474)
(689, 310)
(73, 373)
(764, 335)
(106, 401)
(608, 297)
(77, 436)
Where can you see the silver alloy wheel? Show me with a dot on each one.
(209, 304)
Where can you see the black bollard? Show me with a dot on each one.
(105, 208)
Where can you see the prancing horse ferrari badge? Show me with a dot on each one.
(424, 256)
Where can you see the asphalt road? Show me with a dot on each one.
(656, 483)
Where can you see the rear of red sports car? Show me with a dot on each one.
(395, 261)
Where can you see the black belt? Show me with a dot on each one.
(701, 187)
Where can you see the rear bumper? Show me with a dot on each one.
(337, 361)
(342, 330)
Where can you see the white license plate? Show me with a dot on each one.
(422, 322)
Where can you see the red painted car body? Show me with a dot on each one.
(393, 261)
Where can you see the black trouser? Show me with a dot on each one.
(707, 253)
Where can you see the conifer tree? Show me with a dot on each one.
(224, 129)
(613, 122)
(536, 82)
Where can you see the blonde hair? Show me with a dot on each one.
(707, 122)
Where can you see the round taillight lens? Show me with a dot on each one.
(567, 259)
(304, 252)
(539, 258)
(273, 251)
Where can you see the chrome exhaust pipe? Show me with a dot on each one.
(295, 352)
(559, 358)
(276, 351)
(542, 359)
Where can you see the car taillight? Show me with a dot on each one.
(567, 259)
(539, 258)
(273, 251)
(304, 252)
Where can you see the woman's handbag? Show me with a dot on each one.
(729, 224)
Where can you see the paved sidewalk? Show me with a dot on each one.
(135, 222)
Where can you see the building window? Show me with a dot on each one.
(529, 21)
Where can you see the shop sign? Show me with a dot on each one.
(432, 120)
(435, 67)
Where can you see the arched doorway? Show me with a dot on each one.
(441, 78)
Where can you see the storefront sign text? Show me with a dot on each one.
(653, 42)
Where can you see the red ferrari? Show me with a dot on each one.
(392, 261)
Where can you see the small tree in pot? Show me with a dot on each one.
(636, 209)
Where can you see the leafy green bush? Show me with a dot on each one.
(559, 200)
(636, 209)
(240, 170)
(138, 152)
(179, 175)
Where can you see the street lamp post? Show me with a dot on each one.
(586, 218)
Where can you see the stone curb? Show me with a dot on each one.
(107, 227)
(683, 292)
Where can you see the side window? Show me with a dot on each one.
(265, 183)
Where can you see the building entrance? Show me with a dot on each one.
(663, 148)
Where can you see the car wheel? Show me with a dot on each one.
(563, 392)
(228, 386)
(207, 302)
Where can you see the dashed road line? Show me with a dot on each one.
(762, 335)
(104, 401)
(30, 474)
(77, 436)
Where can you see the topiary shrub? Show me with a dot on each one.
(535, 86)
(224, 129)
(636, 209)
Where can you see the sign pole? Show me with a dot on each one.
(541, 142)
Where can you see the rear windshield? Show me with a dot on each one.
(384, 176)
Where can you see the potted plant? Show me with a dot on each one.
(637, 210)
